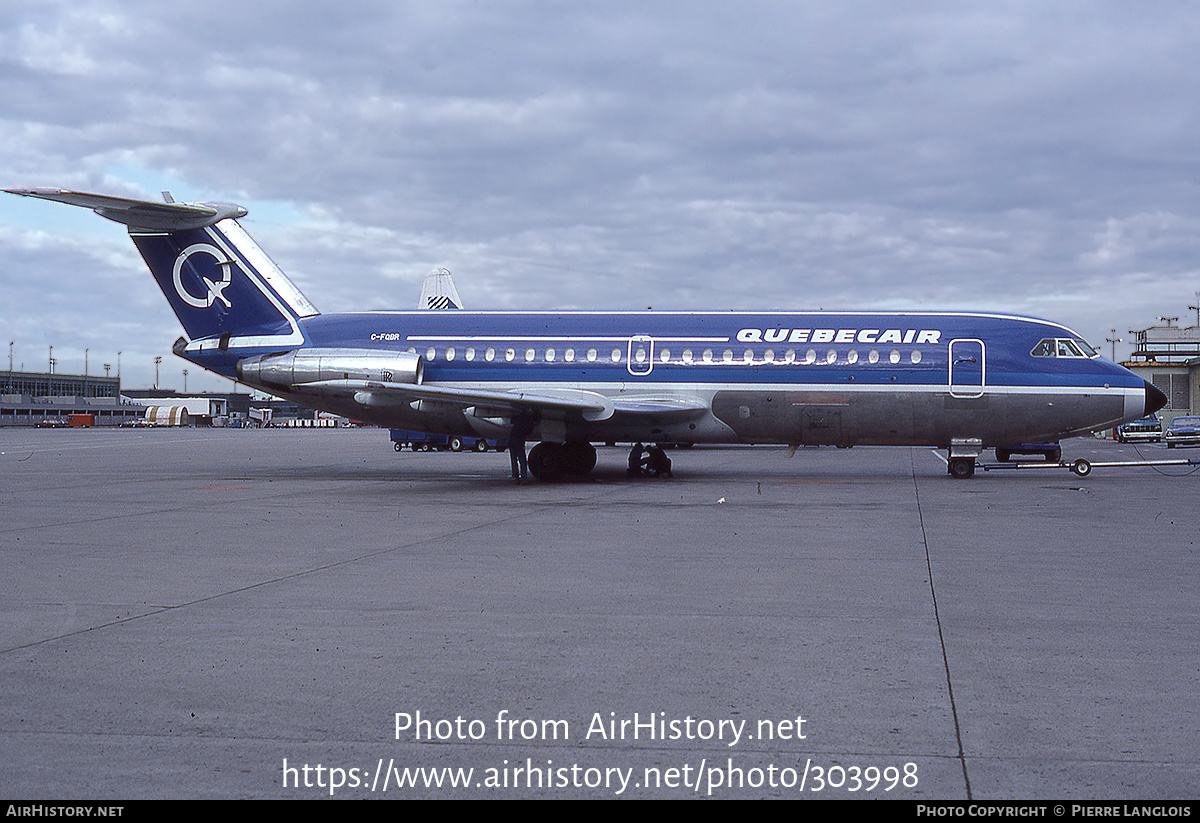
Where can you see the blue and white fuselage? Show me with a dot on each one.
(958, 380)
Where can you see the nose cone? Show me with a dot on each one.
(1155, 399)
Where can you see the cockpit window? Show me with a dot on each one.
(1062, 347)
(1044, 349)
(1067, 348)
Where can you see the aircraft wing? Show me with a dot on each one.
(591, 406)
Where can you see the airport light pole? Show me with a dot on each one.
(157, 360)
(1114, 341)
(185, 381)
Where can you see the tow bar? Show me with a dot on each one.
(1083, 467)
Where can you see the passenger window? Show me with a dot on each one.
(569, 355)
(470, 353)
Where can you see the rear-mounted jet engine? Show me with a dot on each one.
(297, 368)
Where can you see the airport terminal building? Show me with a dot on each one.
(43, 399)
(37, 398)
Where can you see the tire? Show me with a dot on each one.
(1003, 455)
(962, 467)
(579, 458)
(1081, 467)
(397, 445)
(547, 461)
(456, 444)
(480, 445)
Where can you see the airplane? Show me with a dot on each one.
(438, 292)
(959, 381)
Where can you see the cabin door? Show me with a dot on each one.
(968, 368)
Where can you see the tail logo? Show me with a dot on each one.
(216, 286)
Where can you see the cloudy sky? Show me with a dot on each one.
(1031, 157)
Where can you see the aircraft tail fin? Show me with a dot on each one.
(216, 278)
(438, 292)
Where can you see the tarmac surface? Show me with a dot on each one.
(306, 613)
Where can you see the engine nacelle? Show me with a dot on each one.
(293, 368)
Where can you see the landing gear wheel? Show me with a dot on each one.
(579, 458)
(1081, 467)
(547, 461)
(962, 467)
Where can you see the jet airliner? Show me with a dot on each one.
(959, 381)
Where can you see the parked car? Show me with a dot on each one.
(1183, 431)
(1148, 428)
(421, 441)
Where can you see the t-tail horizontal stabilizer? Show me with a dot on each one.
(216, 278)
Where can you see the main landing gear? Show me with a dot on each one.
(551, 461)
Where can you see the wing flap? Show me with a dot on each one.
(591, 406)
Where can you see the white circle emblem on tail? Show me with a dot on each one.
(216, 289)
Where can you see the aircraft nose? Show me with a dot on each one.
(1155, 399)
